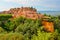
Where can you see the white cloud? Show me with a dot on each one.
(21, 1)
(9, 0)
(4, 8)
(33, 2)
(44, 4)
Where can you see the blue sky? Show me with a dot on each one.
(40, 5)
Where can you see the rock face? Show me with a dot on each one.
(26, 12)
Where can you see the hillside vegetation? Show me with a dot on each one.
(27, 29)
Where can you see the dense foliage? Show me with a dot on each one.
(5, 17)
(27, 29)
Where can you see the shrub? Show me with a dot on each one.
(5, 17)
(2, 30)
(19, 20)
(57, 24)
(41, 36)
(11, 36)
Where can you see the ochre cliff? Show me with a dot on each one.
(26, 12)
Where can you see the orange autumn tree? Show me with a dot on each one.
(48, 26)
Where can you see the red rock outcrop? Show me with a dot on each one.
(26, 12)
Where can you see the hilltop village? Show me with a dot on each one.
(31, 13)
